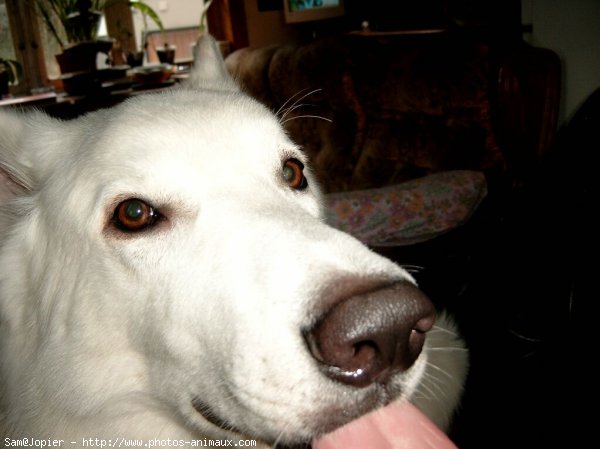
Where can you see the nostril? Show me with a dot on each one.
(369, 337)
(425, 324)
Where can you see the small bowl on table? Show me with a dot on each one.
(152, 75)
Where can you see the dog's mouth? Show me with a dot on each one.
(209, 413)
(399, 424)
(326, 421)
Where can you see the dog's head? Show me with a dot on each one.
(165, 265)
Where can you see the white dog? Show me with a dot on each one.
(166, 273)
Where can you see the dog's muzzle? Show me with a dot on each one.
(369, 337)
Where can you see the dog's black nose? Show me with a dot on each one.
(371, 336)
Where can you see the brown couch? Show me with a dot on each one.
(407, 106)
(377, 110)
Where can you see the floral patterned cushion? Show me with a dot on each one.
(410, 212)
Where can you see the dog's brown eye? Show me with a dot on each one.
(293, 174)
(134, 215)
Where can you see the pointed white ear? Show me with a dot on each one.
(209, 71)
(14, 175)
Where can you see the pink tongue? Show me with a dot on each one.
(397, 426)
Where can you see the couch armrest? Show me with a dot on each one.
(410, 212)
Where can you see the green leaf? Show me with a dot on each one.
(47, 9)
(147, 11)
(202, 26)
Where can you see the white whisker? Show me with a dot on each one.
(435, 383)
(439, 329)
(440, 370)
(284, 111)
(289, 100)
(412, 268)
(424, 391)
(307, 116)
(525, 337)
(447, 348)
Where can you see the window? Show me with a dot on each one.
(7, 50)
(25, 37)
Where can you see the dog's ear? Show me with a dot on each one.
(209, 70)
(14, 174)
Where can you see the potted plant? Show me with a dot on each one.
(74, 25)
(136, 58)
(10, 73)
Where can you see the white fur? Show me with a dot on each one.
(109, 335)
